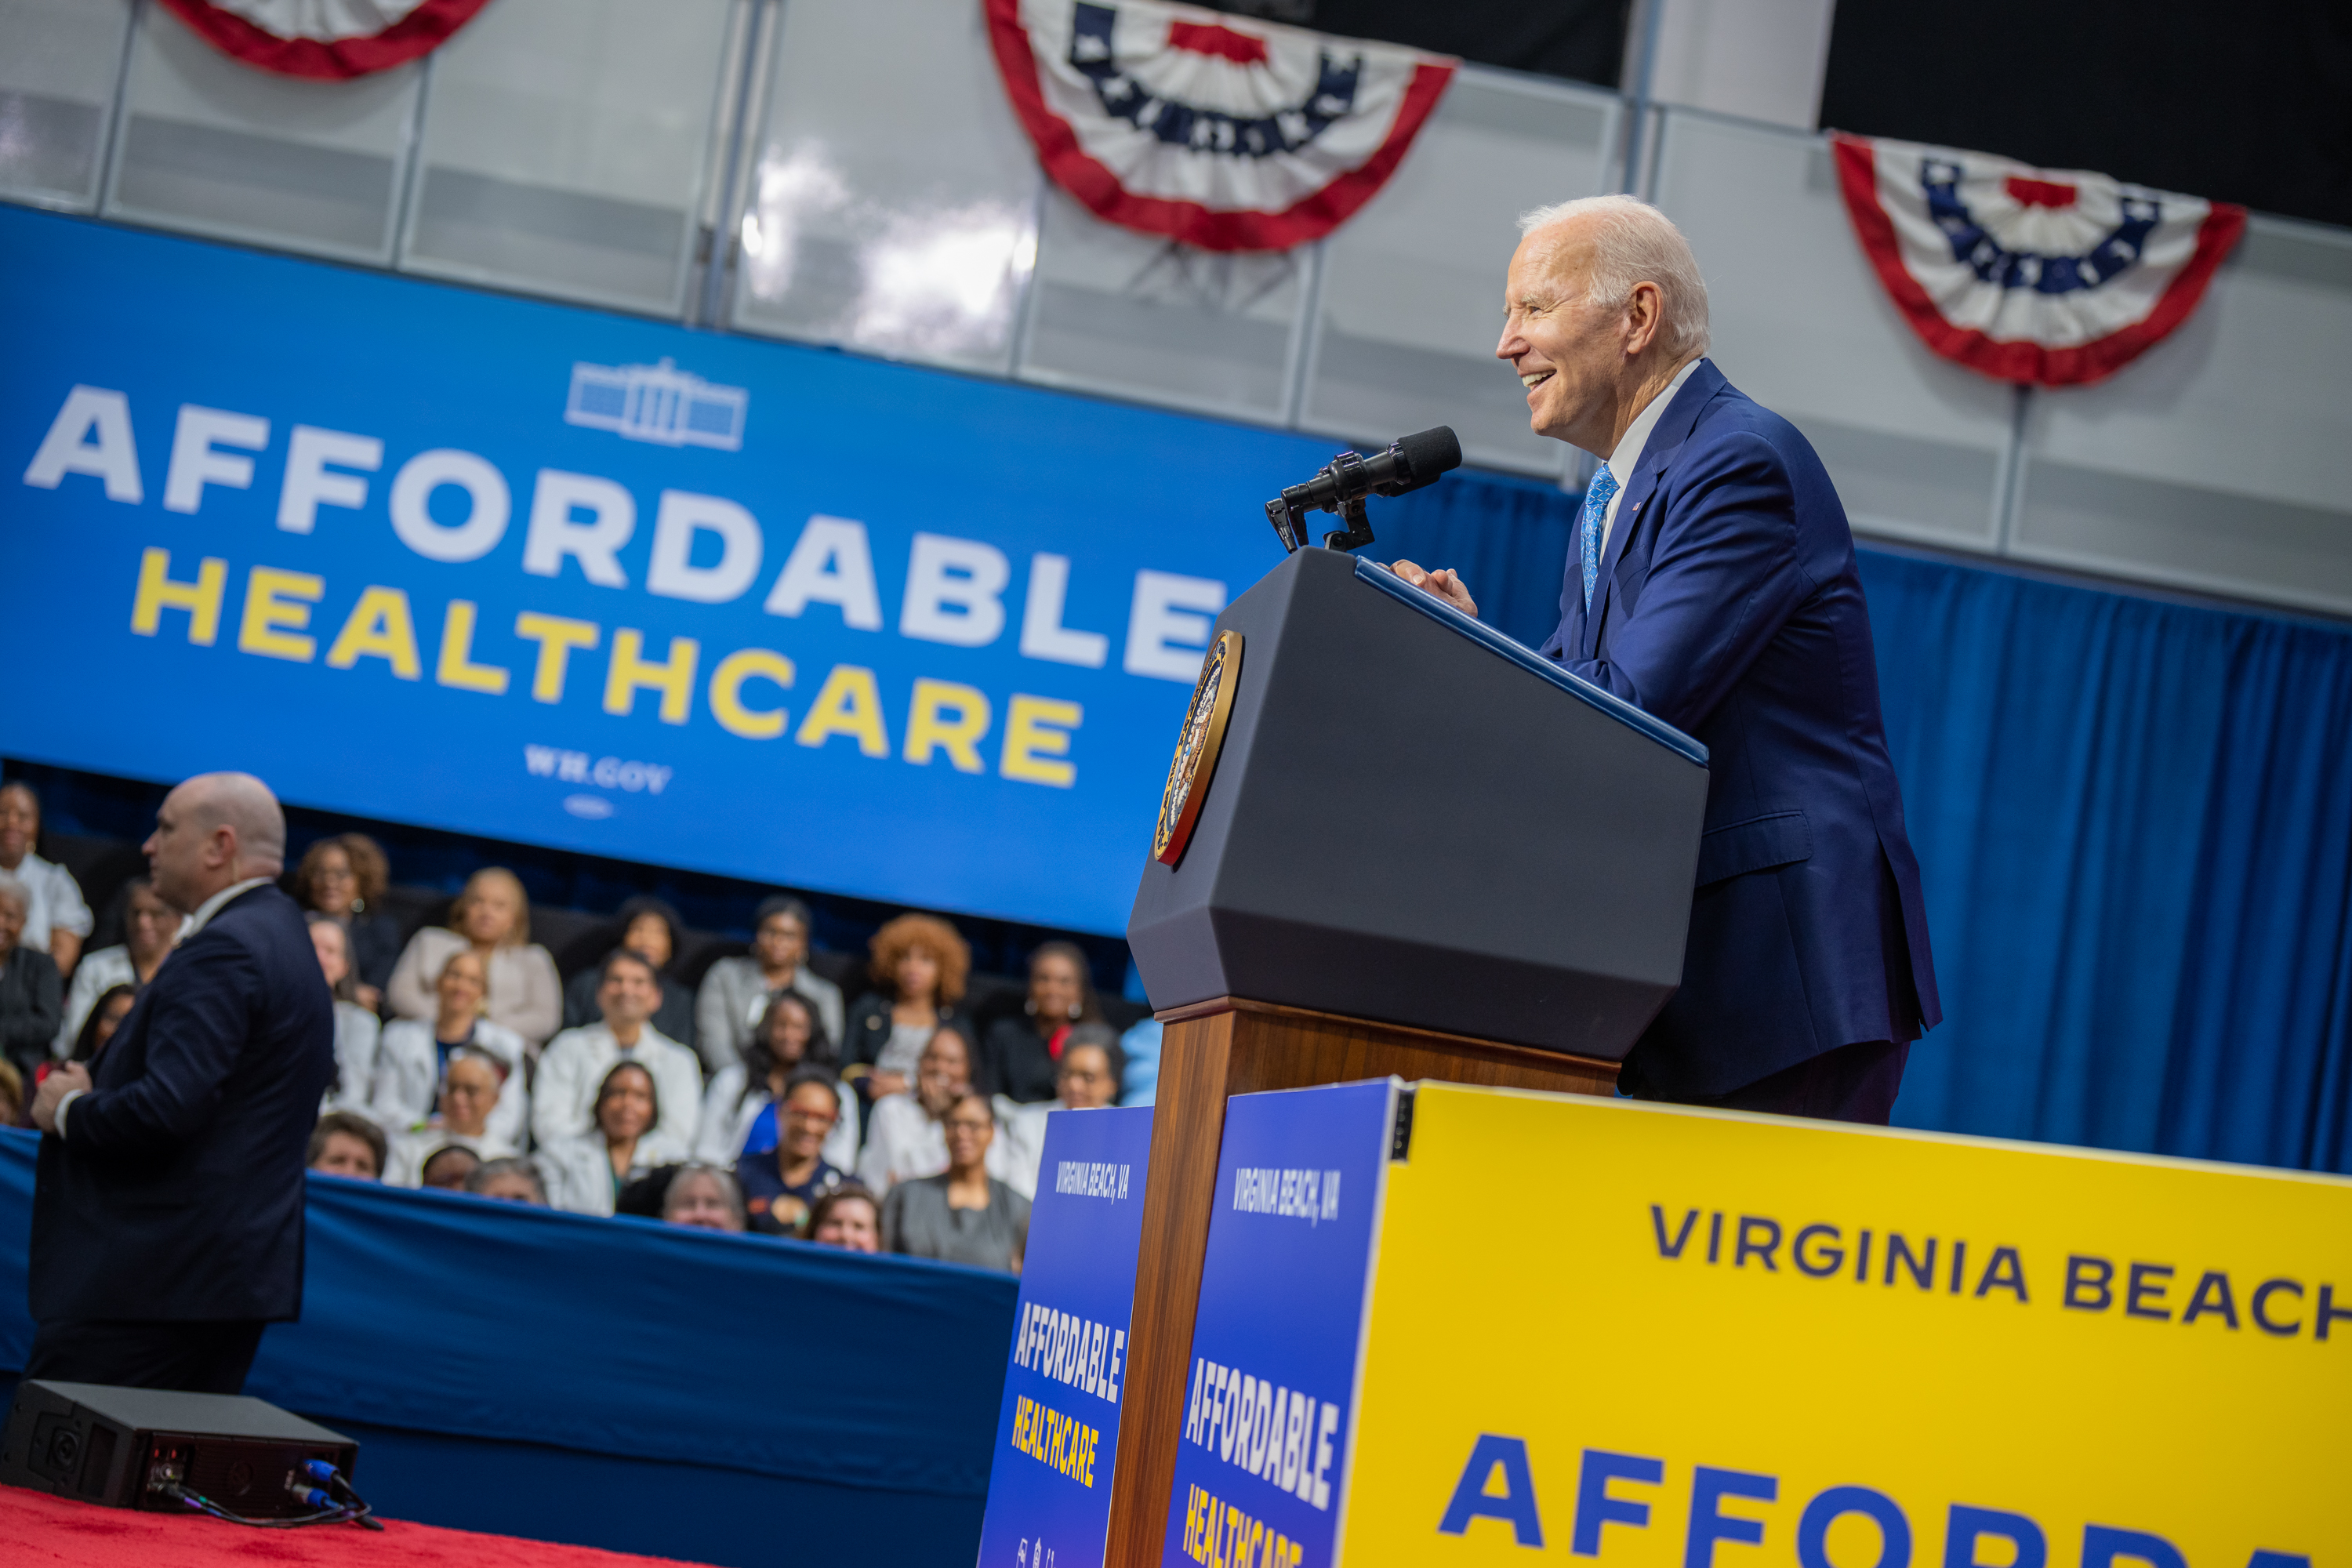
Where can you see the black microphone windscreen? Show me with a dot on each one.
(1431, 453)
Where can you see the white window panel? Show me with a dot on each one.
(213, 146)
(2215, 460)
(1136, 315)
(892, 198)
(1411, 297)
(567, 146)
(1917, 445)
(60, 60)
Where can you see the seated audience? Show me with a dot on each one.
(702, 1197)
(578, 1061)
(906, 1138)
(149, 926)
(651, 929)
(12, 1095)
(846, 1217)
(448, 1168)
(57, 920)
(412, 1055)
(493, 918)
(1085, 1079)
(356, 1028)
(780, 1183)
(1017, 1059)
(920, 964)
(511, 1179)
(739, 1109)
(104, 1019)
(470, 1087)
(32, 1002)
(344, 879)
(585, 1173)
(736, 992)
(346, 1143)
(963, 1215)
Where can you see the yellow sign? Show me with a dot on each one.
(1662, 1338)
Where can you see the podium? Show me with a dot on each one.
(1394, 842)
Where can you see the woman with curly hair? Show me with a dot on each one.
(918, 968)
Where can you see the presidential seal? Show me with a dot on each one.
(1196, 748)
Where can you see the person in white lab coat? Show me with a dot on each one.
(585, 1174)
(575, 1066)
(470, 1091)
(410, 1054)
(356, 1028)
(909, 1137)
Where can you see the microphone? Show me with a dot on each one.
(1409, 463)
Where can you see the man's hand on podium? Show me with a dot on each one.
(1443, 583)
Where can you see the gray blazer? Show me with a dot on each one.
(733, 995)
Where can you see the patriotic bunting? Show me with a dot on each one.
(329, 39)
(2024, 274)
(1165, 119)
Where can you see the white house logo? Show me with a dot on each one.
(657, 403)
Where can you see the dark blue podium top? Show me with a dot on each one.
(1528, 658)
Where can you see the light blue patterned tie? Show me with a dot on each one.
(1596, 510)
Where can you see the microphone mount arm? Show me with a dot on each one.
(1288, 511)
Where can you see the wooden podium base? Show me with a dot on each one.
(1211, 1051)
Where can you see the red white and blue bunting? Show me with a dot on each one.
(2027, 275)
(331, 40)
(1166, 119)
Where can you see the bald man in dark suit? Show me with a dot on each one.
(167, 1213)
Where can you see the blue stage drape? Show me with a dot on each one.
(2134, 818)
(628, 1357)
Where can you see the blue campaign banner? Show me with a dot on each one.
(1270, 1408)
(603, 583)
(1057, 1436)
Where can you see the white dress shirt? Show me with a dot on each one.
(1629, 447)
(563, 1095)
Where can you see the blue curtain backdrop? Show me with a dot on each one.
(2135, 822)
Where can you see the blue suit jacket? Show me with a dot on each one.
(1728, 604)
(177, 1192)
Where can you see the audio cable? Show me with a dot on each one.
(352, 1509)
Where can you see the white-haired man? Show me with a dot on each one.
(167, 1210)
(1714, 586)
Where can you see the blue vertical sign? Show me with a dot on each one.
(1058, 1435)
(1271, 1391)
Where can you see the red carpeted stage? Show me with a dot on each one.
(47, 1529)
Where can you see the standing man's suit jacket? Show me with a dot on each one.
(1728, 604)
(177, 1193)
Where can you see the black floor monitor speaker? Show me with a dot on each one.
(136, 1448)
